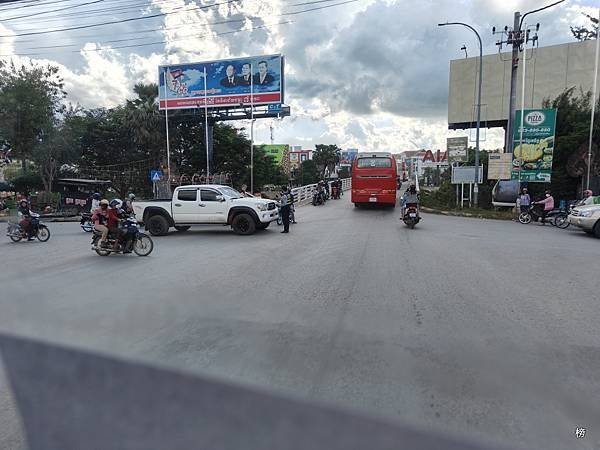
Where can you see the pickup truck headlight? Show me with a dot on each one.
(261, 206)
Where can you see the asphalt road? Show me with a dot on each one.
(486, 330)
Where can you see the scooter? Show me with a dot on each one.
(534, 213)
(86, 223)
(318, 198)
(40, 231)
(410, 215)
(140, 243)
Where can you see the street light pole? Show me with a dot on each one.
(589, 161)
(476, 181)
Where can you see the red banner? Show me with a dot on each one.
(225, 100)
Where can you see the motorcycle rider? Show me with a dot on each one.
(100, 219)
(128, 204)
(26, 222)
(95, 202)
(115, 213)
(548, 203)
(410, 196)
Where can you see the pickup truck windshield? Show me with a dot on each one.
(230, 192)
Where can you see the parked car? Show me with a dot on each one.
(587, 218)
(208, 204)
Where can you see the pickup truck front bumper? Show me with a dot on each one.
(268, 216)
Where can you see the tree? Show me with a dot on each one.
(326, 156)
(30, 100)
(58, 147)
(27, 183)
(585, 33)
(309, 173)
(570, 157)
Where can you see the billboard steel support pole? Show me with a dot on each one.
(251, 131)
(476, 187)
(513, 82)
(208, 150)
(589, 165)
(167, 128)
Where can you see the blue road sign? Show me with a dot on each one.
(155, 175)
(275, 107)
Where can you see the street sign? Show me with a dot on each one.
(457, 148)
(499, 166)
(274, 108)
(466, 175)
(155, 175)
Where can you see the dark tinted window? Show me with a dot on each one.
(364, 163)
(187, 195)
(208, 196)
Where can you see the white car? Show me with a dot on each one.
(587, 218)
(208, 204)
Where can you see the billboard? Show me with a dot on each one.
(229, 83)
(466, 175)
(532, 158)
(348, 156)
(457, 148)
(276, 151)
(499, 166)
(437, 159)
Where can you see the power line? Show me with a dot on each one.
(130, 19)
(34, 4)
(47, 12)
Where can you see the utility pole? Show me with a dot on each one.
(516, 37)
(479, 82)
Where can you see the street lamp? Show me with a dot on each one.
(476, 186)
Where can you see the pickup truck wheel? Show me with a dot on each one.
(182, 228)
(263, 226)
(158, 226)
(243, 224)
(597, 229)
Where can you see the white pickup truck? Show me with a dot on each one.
(205, 204)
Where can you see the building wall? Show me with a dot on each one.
(550, 70)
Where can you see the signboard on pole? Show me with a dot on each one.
(457, 148)
(532, 158)
(348, 156)
(466, 175)
(499, 166)
(256, 80)
(155, 175)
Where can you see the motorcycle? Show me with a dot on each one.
(410, 215)
(534, 213)
(86, 222)
(335, 192)
(140, 243)
(318, 198)
(40, 231)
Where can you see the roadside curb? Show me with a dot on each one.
(44, 219)
(460, 214)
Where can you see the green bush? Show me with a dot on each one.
(27, 183)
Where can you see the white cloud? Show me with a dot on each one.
(6, 43)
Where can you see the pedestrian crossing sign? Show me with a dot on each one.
(155, 175)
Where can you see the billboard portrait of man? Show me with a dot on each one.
(263, 76)
(230, 80)
(245, 79)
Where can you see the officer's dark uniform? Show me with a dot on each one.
(285, 210)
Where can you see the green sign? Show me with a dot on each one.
(532, 158)
(275, 151)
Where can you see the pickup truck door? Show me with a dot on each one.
(212, 210)
(185, 206)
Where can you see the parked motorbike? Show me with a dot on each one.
(86, 222)
(140, 243)
(410, 216)
(40, 231)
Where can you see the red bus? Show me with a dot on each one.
(374, 178)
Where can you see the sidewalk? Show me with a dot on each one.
(474, 214)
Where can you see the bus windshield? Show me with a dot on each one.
(365, 163)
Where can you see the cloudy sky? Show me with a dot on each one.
(369, 74)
